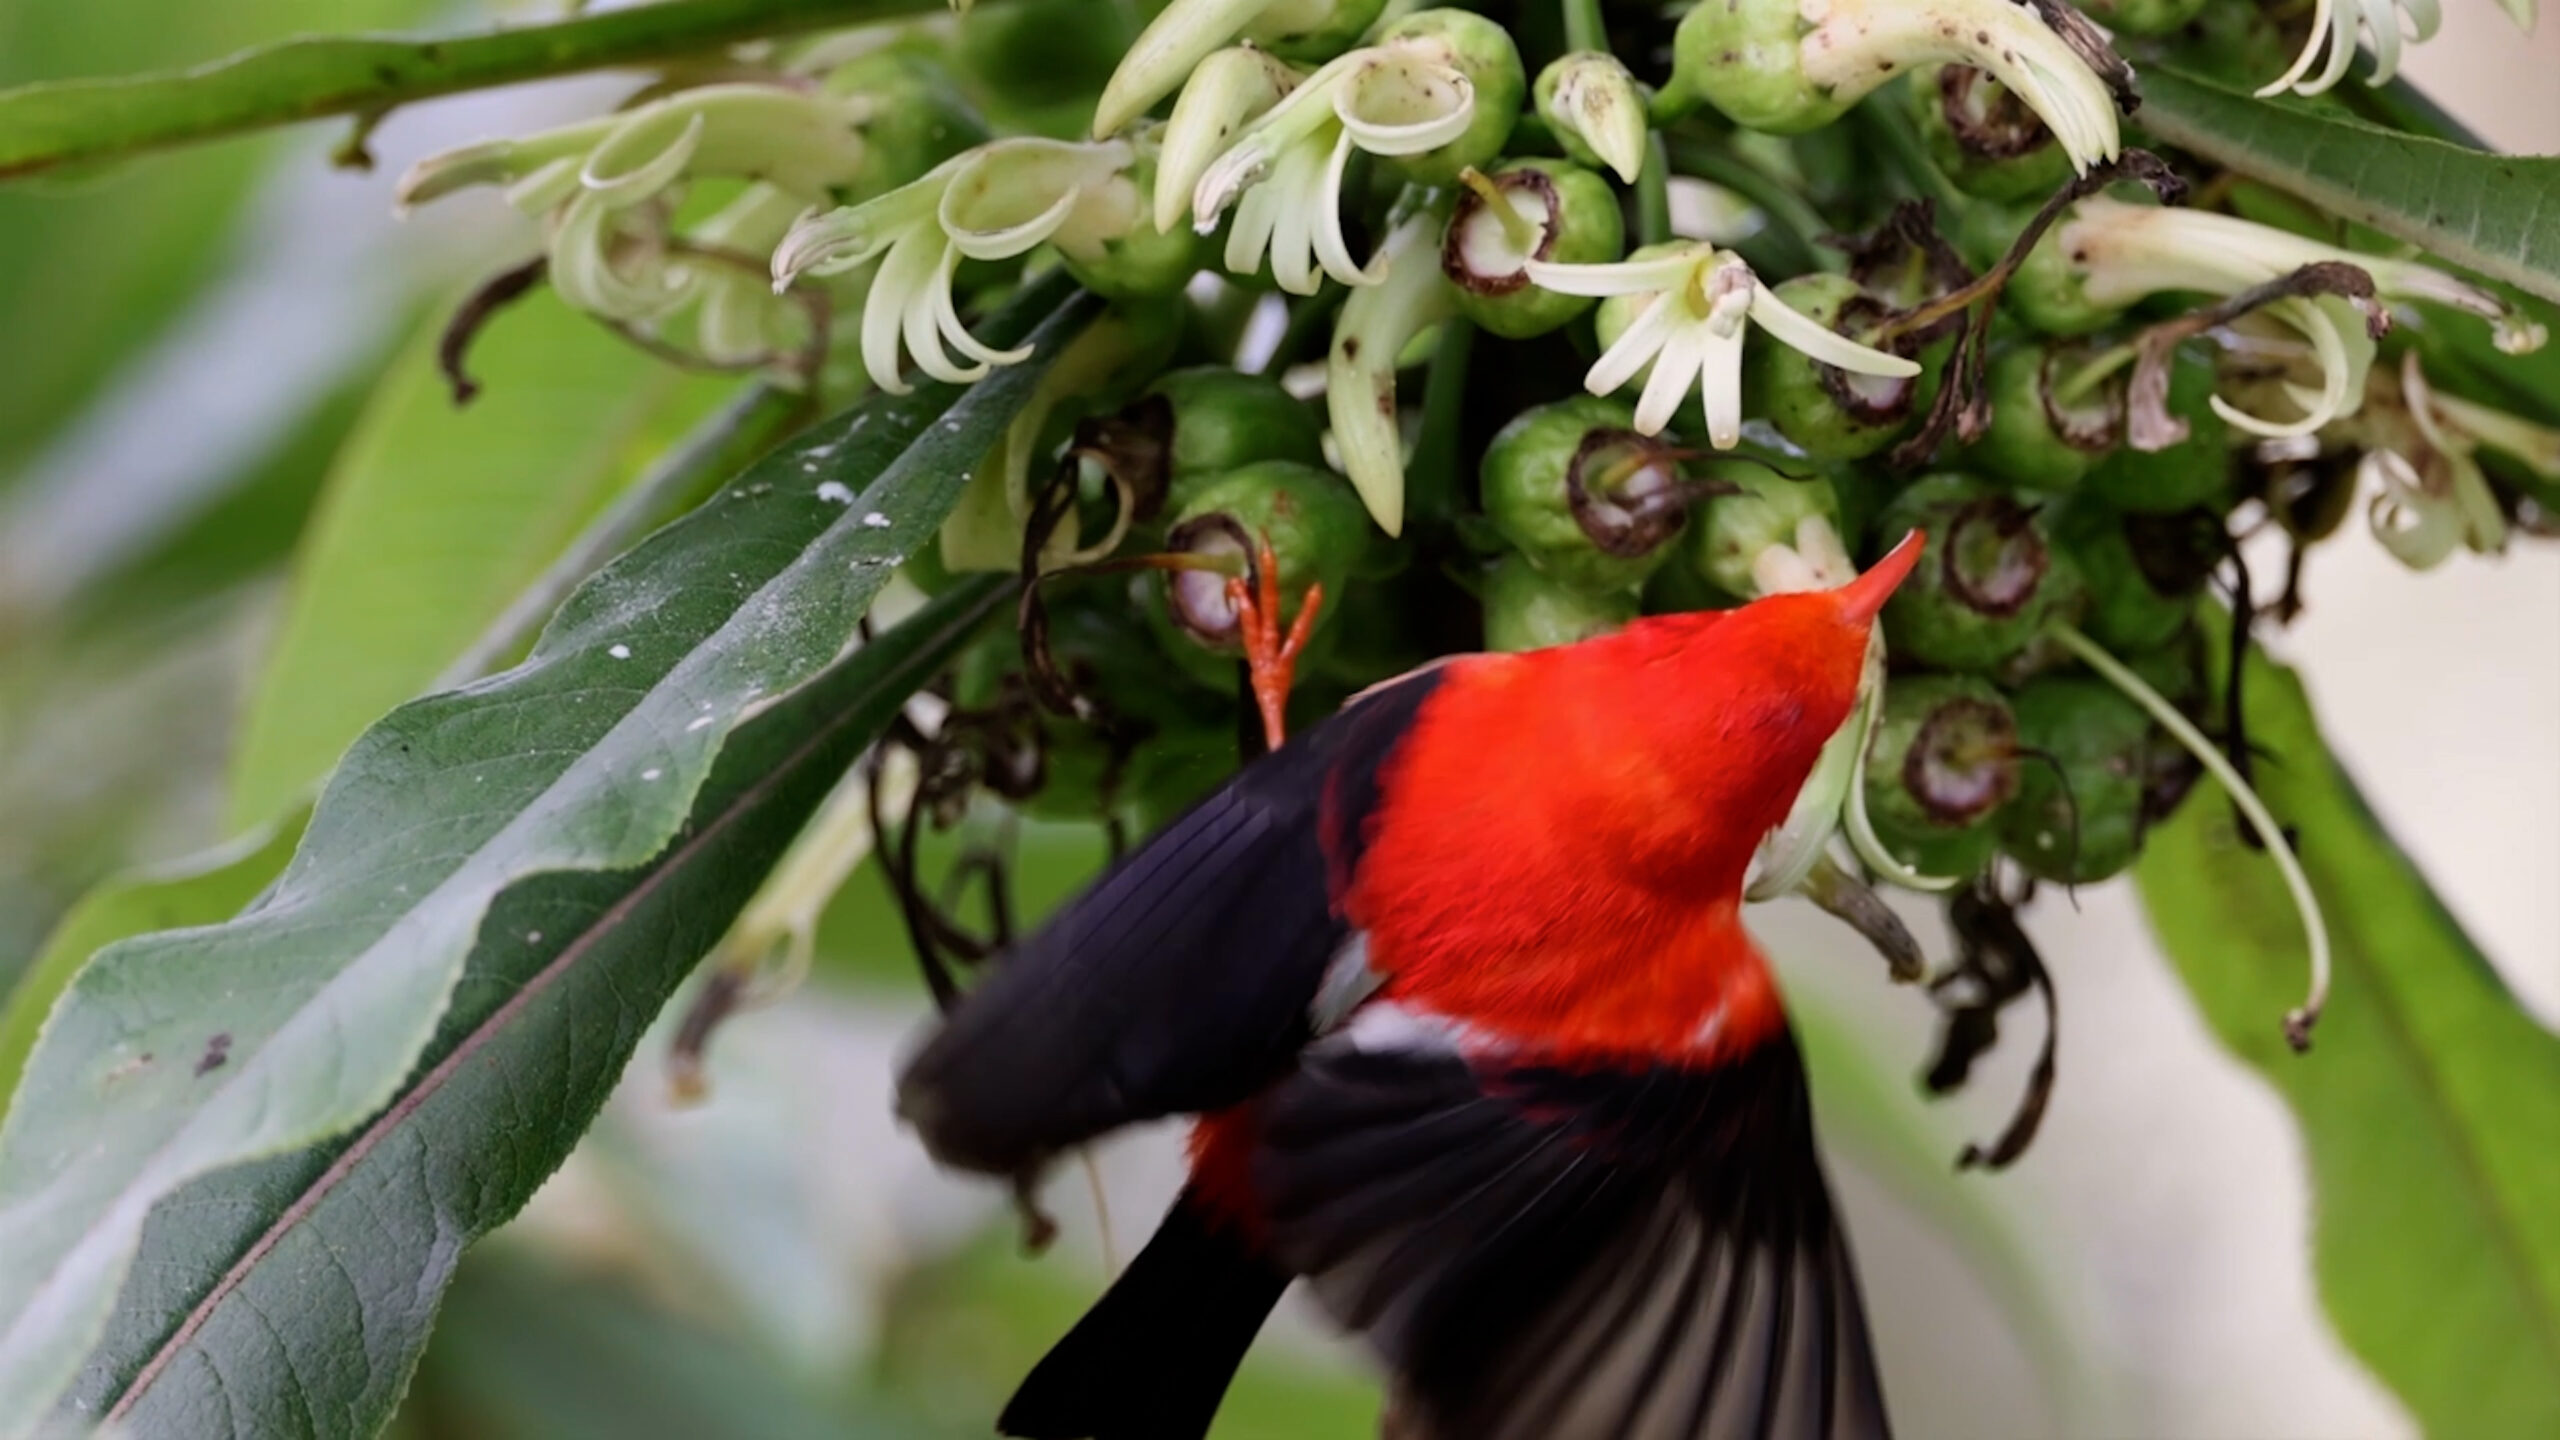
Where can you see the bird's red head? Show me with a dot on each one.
(1729, 710)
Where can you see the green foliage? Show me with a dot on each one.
(2482, 210)
(61, 123)
(2430, 1103)
(508, 829)
(435, 517)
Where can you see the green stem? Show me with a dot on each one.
(1431, 476)
(1902, 151)
(1583, 29)
(733, 437)
(2297, 1025)
(55, 124)
(1653, 193)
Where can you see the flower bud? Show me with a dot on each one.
(1595, 110)
(1828, 412)
(2195, 471)
(2039, 440)
(1941, 763)
(2078, 814)
(1584, 498)
(1224, 420)
(1983, 138)
(1186, 32)
(1990, 581)
(1527, 210)
(1768, 516)
(1481, 51)
(1315, 524)
(1526, 609)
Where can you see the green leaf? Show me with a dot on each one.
(2430, 1103)
(67, 122)
(689, 695)
(435, 516)
(2492, 213)
(201, 890)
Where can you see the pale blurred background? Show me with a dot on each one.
(2143, 1272)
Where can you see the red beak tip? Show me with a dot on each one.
(1864, 597)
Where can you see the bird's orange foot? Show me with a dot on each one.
(1270, 656)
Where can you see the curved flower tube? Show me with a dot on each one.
(1692, 301)
(2334, 26)
(1284, 172)
(995, 202)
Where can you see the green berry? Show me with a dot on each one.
(1766, 509)
(1990, 582)
(2078, 814)
(2197, 471)
(1829, 413)
(2142, 576)
(1526, 609)
(1224, 420)
(1984, 139)
(1940, 765)
(1558, 212)
(2037, 440)
(1318, 530)
(1583, 497)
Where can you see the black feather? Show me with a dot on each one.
(1181, 982)
(1151, 1360)
(1552, 1253)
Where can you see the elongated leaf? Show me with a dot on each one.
(2493, 213)
(435, 516)
(183, 1054)
(46, 126)
(304, 1286)
(2430, 1103)
(201, 891)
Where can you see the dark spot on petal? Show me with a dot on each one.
(217, 1053)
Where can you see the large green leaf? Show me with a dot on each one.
(2490, 212)
(2430, 1103)
(523, 825)
(68, 122)
(199, 891)
(435, 516)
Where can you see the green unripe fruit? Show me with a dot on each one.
(2079, 818)
(2142, 577)
(1525, 609)
(1988, 584)
(1483, 52)
(1983, 138)
(1223, 420)
(2143, 17)
(1765, 509)
(2037, 439)
(1941, 763)
(1582, 496)
(919, 118)
(1829, 413)
(1746, 58)
(1141, 262)
(2197, 471)
(1318, 530)
(1308, 31)
(2049, 291)
(1555, 212)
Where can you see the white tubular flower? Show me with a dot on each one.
(2334, 24)
(1373, 329)
(738, 319)
(995, 202)
(2108, 255)
(1689, 302)
(2430, 495)
(1284, 172)
(1185, 32)
(1227, 91)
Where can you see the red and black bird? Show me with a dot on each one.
(1459, 983)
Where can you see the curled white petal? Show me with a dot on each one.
(1635, 349)
(641, 158)
(1402, 104)
(1823, 343)
(1625, 277)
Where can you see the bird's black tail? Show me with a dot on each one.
(1151, 1360)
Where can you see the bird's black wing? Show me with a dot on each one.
(1546, 1253)
(1182, 980)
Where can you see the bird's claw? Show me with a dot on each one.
(1270, 655)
